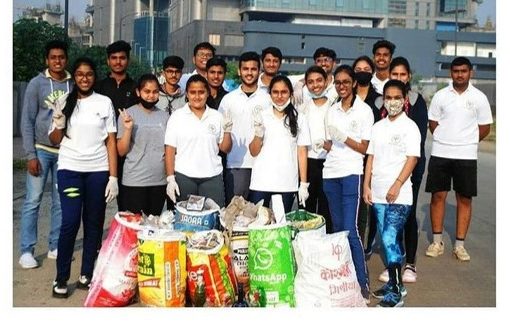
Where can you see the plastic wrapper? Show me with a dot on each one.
(194, 221)
(213, 268)
(115, 276)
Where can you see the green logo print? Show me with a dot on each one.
(72, 192)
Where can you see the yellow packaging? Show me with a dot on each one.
(162, 268)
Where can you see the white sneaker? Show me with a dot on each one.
(27, 261)
(52, 254)
(461, 254)
(384, 276)
(435, 249)
(409, 275)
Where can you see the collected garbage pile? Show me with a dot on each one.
(244, 255)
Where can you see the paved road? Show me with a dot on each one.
(442, 282)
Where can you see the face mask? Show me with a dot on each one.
(281, 108)
(394, 107)
(314, 96)
(148, 104)
(363, 78)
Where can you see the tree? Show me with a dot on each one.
(29, 39)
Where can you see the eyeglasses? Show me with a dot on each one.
(79, 75)
(204, 55)
(344, 83)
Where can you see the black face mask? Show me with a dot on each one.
(148, 104)
(363, 78)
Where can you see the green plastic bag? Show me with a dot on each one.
(271, 265)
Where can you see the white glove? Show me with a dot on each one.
(112, 189)
(303, 192)
(298, 92)
(336, 134)
(318, 145)
(258, 123)
(227, 122)
(57, 105)
(172, 188)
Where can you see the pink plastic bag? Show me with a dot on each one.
(115, 276)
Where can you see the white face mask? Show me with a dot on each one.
(314, 96)
(394, 106)
(280, 108)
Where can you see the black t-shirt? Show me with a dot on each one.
(215, 102)
(122, 96)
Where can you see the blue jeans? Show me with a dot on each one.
(287, 198)
(343, 196)
(390, 220)
(33, 198)
(82, 197)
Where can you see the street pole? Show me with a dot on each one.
(456, 23)
(66, 17)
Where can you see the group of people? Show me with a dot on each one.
(347, 142)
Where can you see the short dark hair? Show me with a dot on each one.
(118, 46)
(249, 56)
(55, 44)
(315, 69)
(274, 51)
(205, 45)
(198, 78)
(383, 43)
(397, 84)
(324, 51)
(460, 61)
(366, 59)
(400, 61)
(173, 61)
(215, 61)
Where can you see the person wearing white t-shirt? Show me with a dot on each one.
(87, 172)
(393, 152)
(240, 105)
(271, 59)
(348, 125)
(279, 146)
(459, 118)
(314, 112)
(194, 135)
(383, 52)
(140, 139)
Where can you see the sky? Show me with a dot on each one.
(77, 8)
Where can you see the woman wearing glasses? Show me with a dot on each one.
(348, 126)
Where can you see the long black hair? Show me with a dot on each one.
(401, 61)
(349, 71)
(72, 99)
(291, 114)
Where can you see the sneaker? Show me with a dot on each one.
(27, 261)
(52, 254)
(366, 295)
(461, 254)
(384, 276)
(385, 289)
(435, 249)
(60, 289)
(83, 283)
(409, 274)
(392, 300)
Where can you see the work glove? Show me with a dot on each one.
(298, 92)
(303, 193)
(227, 122)
(258, 123)
(112, 189)
(336, 134)
(57, 102)
(172, 188)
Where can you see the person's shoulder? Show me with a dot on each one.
(96, 96)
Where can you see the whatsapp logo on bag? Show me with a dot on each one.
(263, 259)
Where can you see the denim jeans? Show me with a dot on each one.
(390, 220)
(33, 198)
(343, 199)
(82, 197)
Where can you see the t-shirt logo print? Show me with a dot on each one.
(395, 140)
(212, 129)
(353, 126)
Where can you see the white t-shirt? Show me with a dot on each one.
(196, 142)
(356, 123)
(391, 143)
(378, 84)
(315, 118)
(458, 117)
(241, 107)
(261, 85)
(84, 150)
(275, 168)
